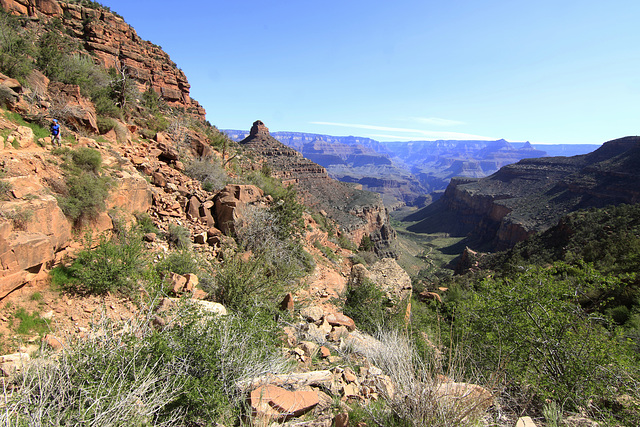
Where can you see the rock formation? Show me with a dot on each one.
(114, 43)
(357, 212)
(532, 195)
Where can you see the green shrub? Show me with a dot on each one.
(179, 237)
(87, 159)
(541, 327)
(86, 198)
(105, 124)
(16, 48)
(113, 266)
(347, 244)
(365, 304)
(30, 322)
(366, 244)
(87, 191)
(179, 262)
(145, 223)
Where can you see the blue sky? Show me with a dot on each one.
(543, 71)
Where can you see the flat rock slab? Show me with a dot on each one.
(276, 402)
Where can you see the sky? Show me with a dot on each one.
(545, 71)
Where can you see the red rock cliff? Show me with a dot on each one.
(113, 42)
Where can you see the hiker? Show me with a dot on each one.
(55, 133)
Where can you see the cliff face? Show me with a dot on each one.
(114, 43)
(357, 212)
(533, 194)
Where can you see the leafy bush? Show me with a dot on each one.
(364, 303)
(105, 124)
(15, 48)
(179, 262)
(534, 326)
(86, 190)
(113, 266)
(86, 197)
(145, 223)
(87, 159)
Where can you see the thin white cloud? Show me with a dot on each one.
(417, 134)
(436, 121)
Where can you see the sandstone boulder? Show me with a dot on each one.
(22, 137)
(275, 402)
(388, 276)
(229, 204)
(12, 363)
(74, 110)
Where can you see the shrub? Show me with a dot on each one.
(364, 303)
(417, 400)
(208, 172)
(86, 198)
(105, 124)
(366, 244)
(30, 322)
(87, 159)
(15, 48)
(145, 223)
(179, 237)
(113, 266)
(259, 231)
(535, 326)
(103, 380)
(179, 262)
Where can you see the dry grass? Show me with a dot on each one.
(422, 395)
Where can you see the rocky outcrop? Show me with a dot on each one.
(533, 194)
(388, 276)
(114, 43)
(230, 202)
(357, 212)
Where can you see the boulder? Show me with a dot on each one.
(339, 319)
(271, 401)
(313, 313)
(211, 307)
(388, 276)
(177, 283)
(525, 422)
(76, 111)
(22, 137)
(469, 398)
(12, 363)
(229, 202)
(287, 303)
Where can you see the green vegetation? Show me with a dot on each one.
(113, 266)
(365, 304)
(29, 323)
(16, 47)
(178, 237)
(557, 317)
(140, 376)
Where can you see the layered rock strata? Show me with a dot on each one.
(357, 212)
(114, 43)
(533, 194)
